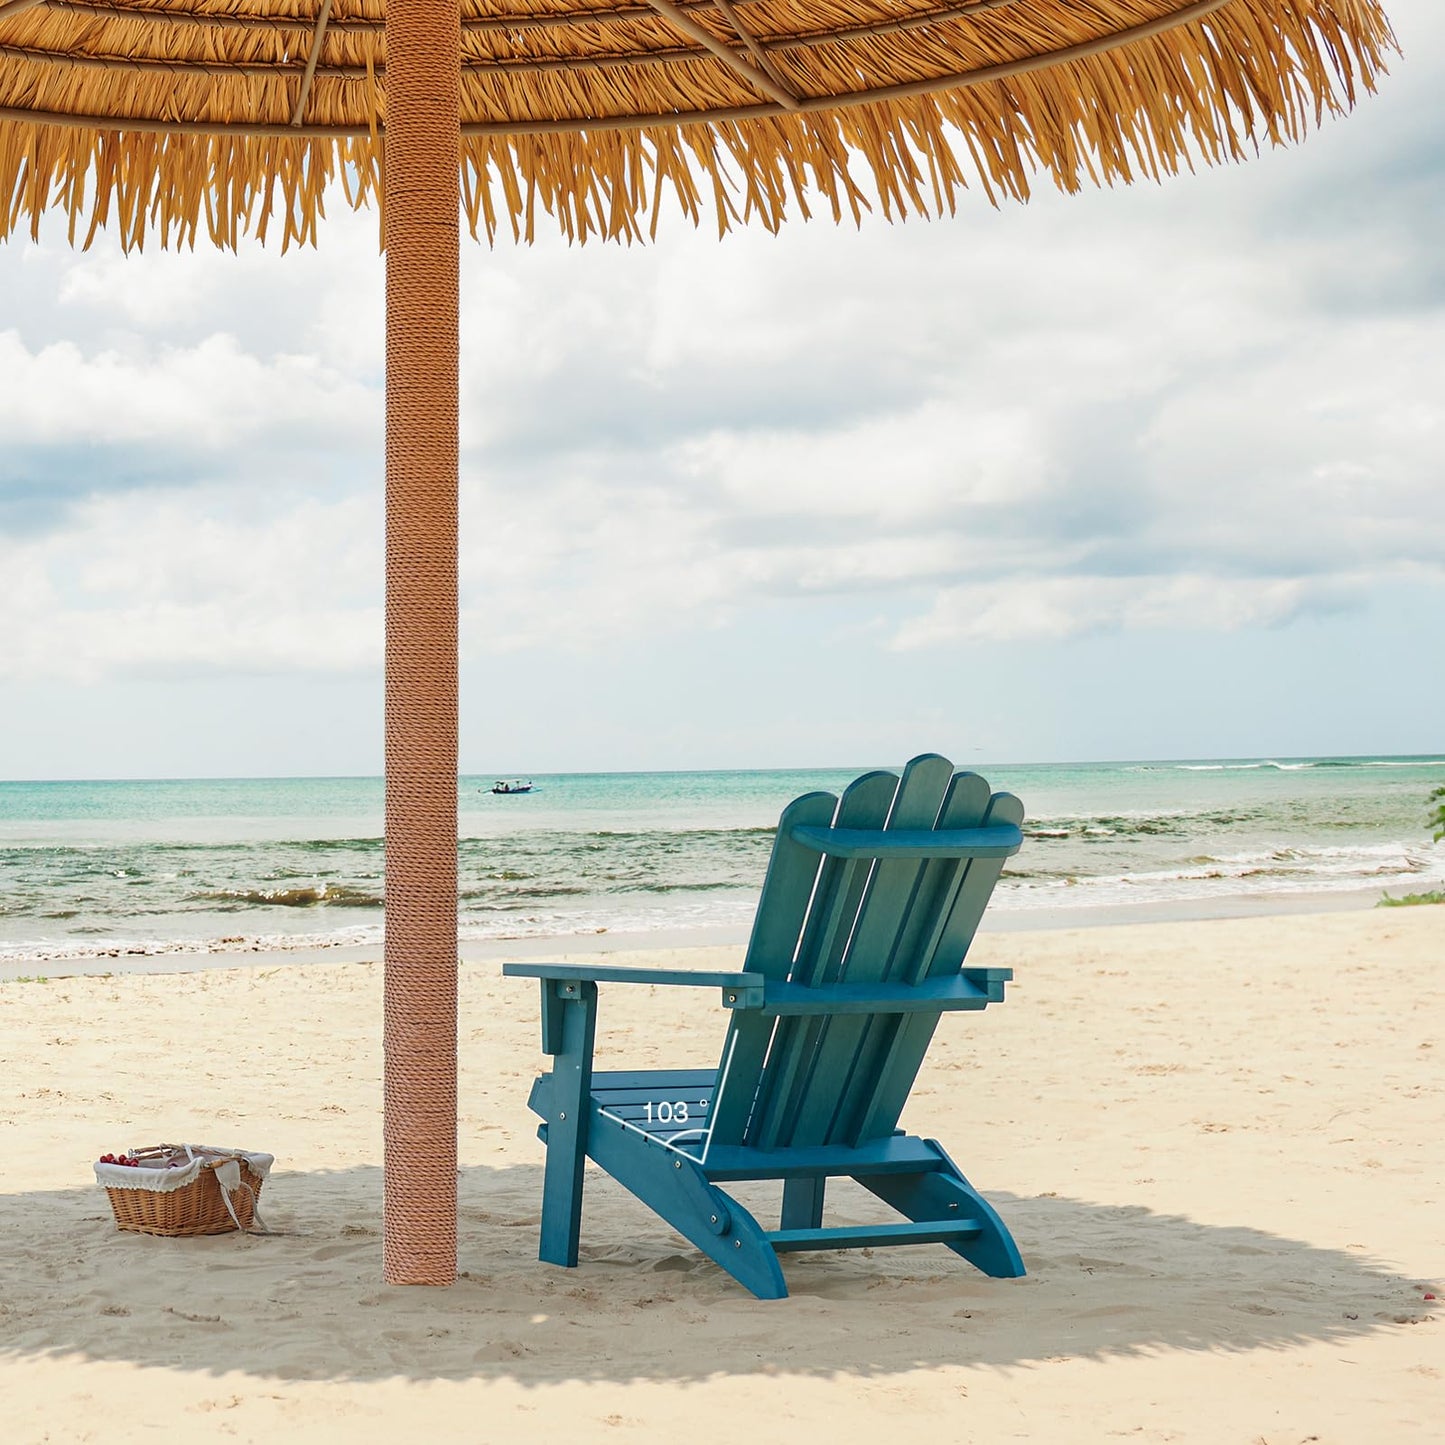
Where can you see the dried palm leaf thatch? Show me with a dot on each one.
(160, 117)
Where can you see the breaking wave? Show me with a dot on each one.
(317, 895)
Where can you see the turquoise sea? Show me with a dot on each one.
(95, 869)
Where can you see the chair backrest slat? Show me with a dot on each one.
(895, 890)
(821, 1079)
(912, 1033)
(924, 939)
(841, 887)
(782, 910)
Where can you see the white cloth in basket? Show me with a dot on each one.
(164, 1178)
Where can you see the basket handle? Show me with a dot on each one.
(228, 1177)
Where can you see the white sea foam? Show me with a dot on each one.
(1279, 871)
(1254, 767)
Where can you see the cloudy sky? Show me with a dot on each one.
(1149, 473)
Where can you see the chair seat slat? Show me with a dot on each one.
(899, 1154)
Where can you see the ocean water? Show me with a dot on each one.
(95, 869)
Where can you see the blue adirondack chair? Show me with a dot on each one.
(867, 911)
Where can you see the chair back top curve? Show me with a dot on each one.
(848, 917)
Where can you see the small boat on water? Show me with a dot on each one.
(512, 785)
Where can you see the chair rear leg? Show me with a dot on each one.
(566, 1127)
(946, 1194)
(803, 1203)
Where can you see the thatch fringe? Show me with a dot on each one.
(603, 126)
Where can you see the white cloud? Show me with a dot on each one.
(1065, 607)
(190, 583)
(1210, 405)
(208, 398)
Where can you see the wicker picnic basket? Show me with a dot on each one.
(185, 1189)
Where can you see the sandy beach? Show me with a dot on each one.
(1218, 1144)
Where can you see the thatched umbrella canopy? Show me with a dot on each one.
(164, 117)
(167, 119)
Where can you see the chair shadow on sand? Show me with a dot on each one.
(308, 1302)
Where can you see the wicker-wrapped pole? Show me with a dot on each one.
(421, 203)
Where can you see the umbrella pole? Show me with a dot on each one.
(420, 200)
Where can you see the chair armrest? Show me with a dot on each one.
(563, 983)
(612, 973)
(971, 989)
(568, 983)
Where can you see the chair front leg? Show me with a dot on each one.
(569, 1029)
